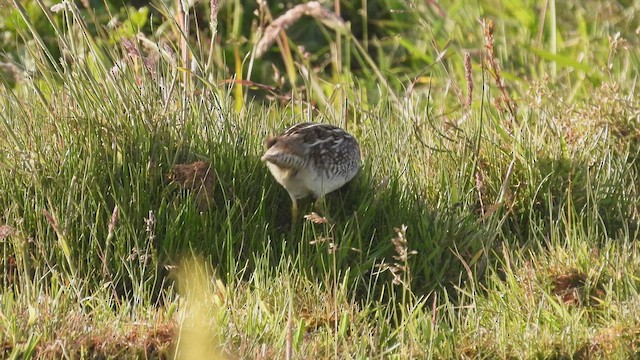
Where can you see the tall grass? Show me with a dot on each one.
(501, 222)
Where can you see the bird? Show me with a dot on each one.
(312, 159)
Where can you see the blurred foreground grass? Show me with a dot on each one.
(495, 216)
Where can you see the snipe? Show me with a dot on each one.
(312, 159)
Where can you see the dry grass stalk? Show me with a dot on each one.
(313, 9)
(61, 6)
(400, 245)
(316, 219)
(114, 220)
(52, 221)
(320, 240)
(503, 103)
(481, 171)
(182, 19)
(468, 78)
(331, 245)
(133, 53)
(110, 232)
(150, 224)
(213, 16)
(434, 311)
(480, 189)
(400, 269)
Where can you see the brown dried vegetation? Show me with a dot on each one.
(197, 177)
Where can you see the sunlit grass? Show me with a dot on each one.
(504, 227)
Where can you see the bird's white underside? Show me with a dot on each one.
(301, 183)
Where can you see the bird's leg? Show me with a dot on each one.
(295, 212)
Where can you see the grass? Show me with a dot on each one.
(501, 227)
